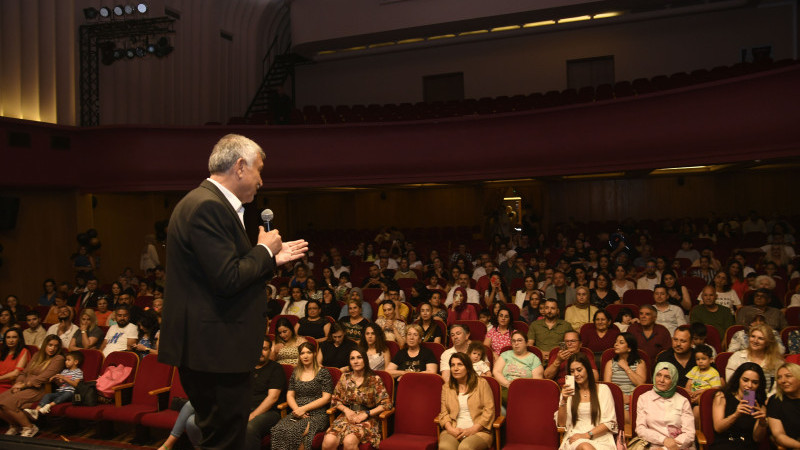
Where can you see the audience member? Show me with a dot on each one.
(516, 363)
(88, 335)
(601, 334)
(48, 297)
(35, 333)
(312, 324)
(459, 337)
(547, 333)
(500, 335)
(560, 291)
(703, 375)
(664, 419)
(711, 312)
(477, 354)
(651, 337)
(468, 408)
(582, 311)
(460, 309)
(783, 408)
(13, 358)
(354, 324)
(621, 284)
(462, 282)
(680, 355)
(738, 424)
(373, 344)
(66, 381)
(602, 294)
(649, 278)
(557, 361)
(296, 306)
(773, 316)
(677, 295)
(626, 369)
(741, 339)
(670, 316)
(64, 329)
(285, 350)
(335, 352)
(762, 350)
(413, 358)
(430, 329)
(365, 310)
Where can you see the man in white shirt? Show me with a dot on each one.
(649, 279)
(459, 336)
(121, 336)
(480, 267)
(463, 281)
(337, 268)
(64, 329)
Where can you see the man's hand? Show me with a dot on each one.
(271, 239)
(291, 251)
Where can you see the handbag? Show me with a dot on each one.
(638, 443)
(85, 394)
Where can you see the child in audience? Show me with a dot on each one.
(477, 353)
(66, 380)
(699, 336)
(624, 319)
(702, 376)
(485, 316)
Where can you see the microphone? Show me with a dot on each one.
(266, 216)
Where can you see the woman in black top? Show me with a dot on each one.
(737, 425)
(335, 352)
(313, 324)
(330, 306)
(603, 295)
(783, 409)
(430, 329)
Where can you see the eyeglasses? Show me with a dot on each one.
(571, 341)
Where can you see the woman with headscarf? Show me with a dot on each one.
(459, 309)
(662, 418)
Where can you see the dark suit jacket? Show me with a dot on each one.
(215, 299)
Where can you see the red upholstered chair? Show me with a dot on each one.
(477, 330)
(793, 315)
(713, 338)
(521, 326)
(614, 309)
(694, 285)
(608, 355)
(393, 348)
(730, 332)
(638, 297)
(371, 295)
(92, 364)
(705, 435)
(437, 349)
(721, 361)
(418, 402)
(619, 403)
(639, 390)
(514, 311)
(388, 383)
(152, 375)
(520, 416)
(165, 419)
(128, 359)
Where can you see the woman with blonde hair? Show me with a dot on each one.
(783, 407)
(763, 350)
(88, 335)
(308, 395)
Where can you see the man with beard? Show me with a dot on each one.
(547, 333)
(680, 355)
(560, 291)
(64, 329)
(122, 335)
(268, 384)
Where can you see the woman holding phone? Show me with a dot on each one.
(740, 417)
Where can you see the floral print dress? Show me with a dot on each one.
(369, 395)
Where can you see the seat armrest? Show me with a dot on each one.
(159, 391)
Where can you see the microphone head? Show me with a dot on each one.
(267, 215)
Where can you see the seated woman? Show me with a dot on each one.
(602, 295)
(308, 396)
(741, 339)
(360, 396)
(459, 309)
(296, 306)
(330, 307)
(149, 331)
(17, 311)
(530, 300)
(516, 363)
(413, 358)
(626, 370)
(355, 322)
(430, 330)
(467, 408)
(586, 410)
(621, 284)
(581, 312)
(601, 334)
(497, 291)
(312, 293)
(394, 329)
(13, 358)
(300, 277)
(313, 324)
(102, 313)
(762, 350)
(374, 346)
(335, 352)
(184, 423)
(499, 336)
(678, 295)
(737, 424)
(88, 335)
(663, 419)
(783, 408)
(285, 350)
(29, 387)
(439, 311)
(419, 294)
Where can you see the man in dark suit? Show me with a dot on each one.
(214, 320)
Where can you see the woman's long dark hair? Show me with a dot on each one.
(368, 372)
(16, 350)
(594, 401)
(283, 322)
(732, 386)
(380, 339)
(472, 376)
(633, 345)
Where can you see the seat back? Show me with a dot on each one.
(706, 417)
(176, 390)
(495, 387)
(641, 389)
(730, 332)
(477, 330)
(713, 338)
(619, 403)
(418, 402)
(288, 370)
(92, 363)
(128, 359)
(437, 349)
(721, 362)
(785, 335)
(336, 373)
(793, 315)
(388, 382)
(152, 375)
(638, 297)
(520, 416)
(393, 348)
(521, 326)
(614, 309)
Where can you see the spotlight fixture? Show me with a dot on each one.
(151, 48)
(119, 53)
(130, 53)
(105, 12)
(141, 52)
(90, 13)
(142, 8)
(118, 11)
(163, 48)
(128, 9)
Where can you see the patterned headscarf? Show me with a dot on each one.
(673, 373)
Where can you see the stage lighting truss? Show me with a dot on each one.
(119, 11)
(132, 39)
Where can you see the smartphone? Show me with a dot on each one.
(750, 397)
(569, 381)
(562, 345)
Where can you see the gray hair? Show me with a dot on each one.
(229, 149)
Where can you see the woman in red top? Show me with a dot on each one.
(459, 309)
(13, 358)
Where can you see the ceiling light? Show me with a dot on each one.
(506, 28)
(442, 36)
(539, 24)
(141, 52)
(118, 11)
(105, 11)
(128, 9)
(90, 13)
(607, 15)
(574, 19)
(130, 53)
(410, 41)
(469, 33)
(142, 8)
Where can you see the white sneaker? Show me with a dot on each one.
(29, 431)
(12, 431)
(45, 409)
(33, 413)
